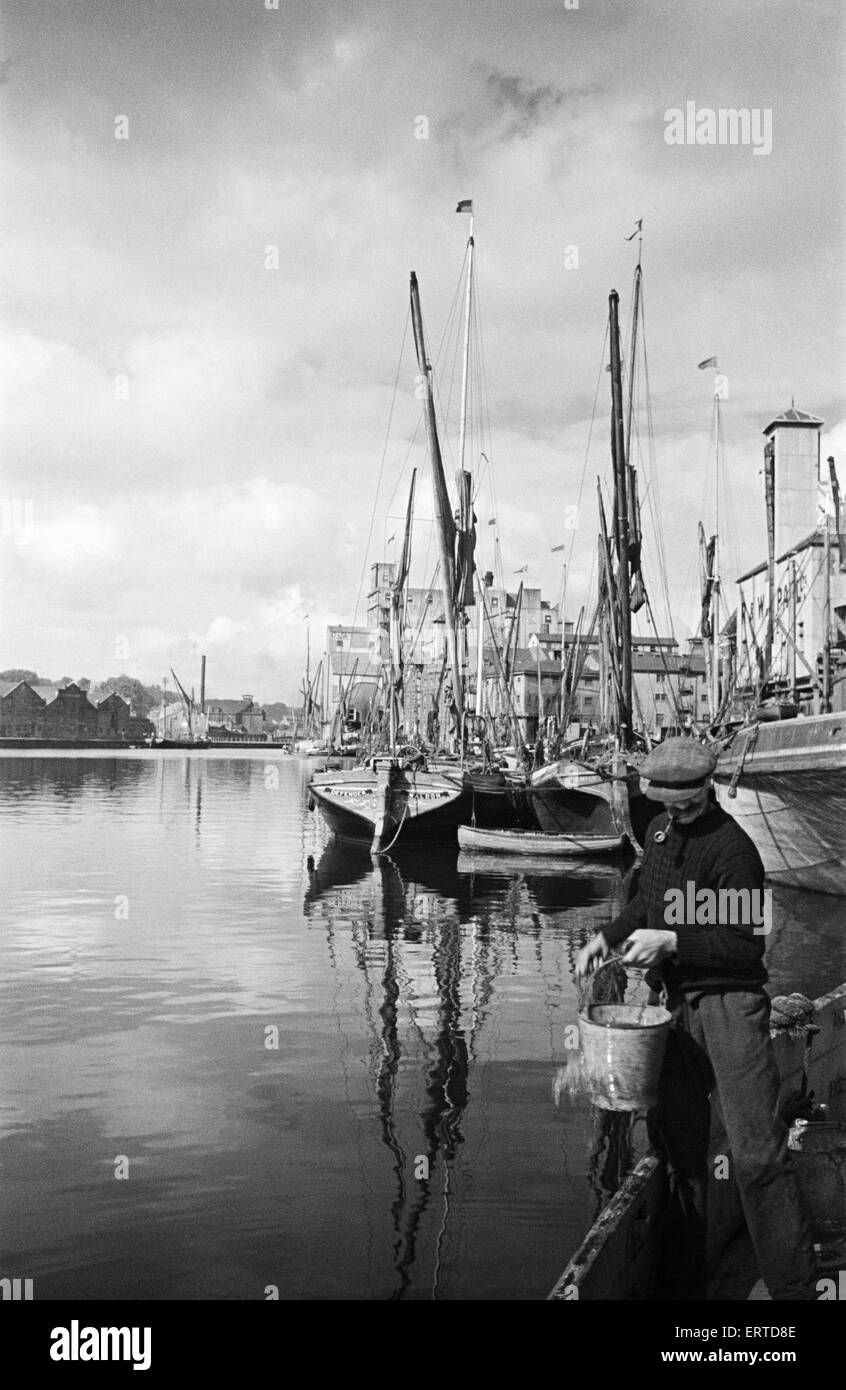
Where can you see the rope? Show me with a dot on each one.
(738, 772)
(399, 828)
(568, 566)
(655, 507)
(381, 469)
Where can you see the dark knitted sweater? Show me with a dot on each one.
(711, 852)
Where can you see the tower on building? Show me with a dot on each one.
(793, 444)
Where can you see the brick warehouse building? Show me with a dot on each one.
(65, 713)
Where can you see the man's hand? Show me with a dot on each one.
(648, 947)
(590, 955)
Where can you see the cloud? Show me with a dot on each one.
(528, 106)
(201, 437)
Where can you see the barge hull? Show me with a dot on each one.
(785, 784)
(390, 805)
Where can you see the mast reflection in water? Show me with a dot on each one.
(432, 941)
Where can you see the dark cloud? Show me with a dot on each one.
(528, 104)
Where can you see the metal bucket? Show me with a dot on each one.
(623, 1048)
(818, 1149)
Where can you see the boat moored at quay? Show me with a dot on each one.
(784, 782)
(778, 668)
(589, 792)
(391, 800)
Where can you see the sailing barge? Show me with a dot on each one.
(785, 784)
(388, 801)
(398, 796)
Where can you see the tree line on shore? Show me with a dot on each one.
(141, 698)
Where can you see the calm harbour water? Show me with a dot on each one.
(279, 1036)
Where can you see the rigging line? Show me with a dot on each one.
(481, 445)
(381, 469)
(447, 328)
(424, 614)
(399, 480)
(485, 425)
(780, 649)
(648, 463)
(479, 448)
(727, 511)
(599, 377)
(448, 336)
(436, 1273)
(692, 587)
(629, 372)
(662, 654)
(428, 551)
(451, 377)
(482, 438)
(355, 1113)
(655, 477)
(662, 574)
(758, 627)
(476, 442)
(482, 401)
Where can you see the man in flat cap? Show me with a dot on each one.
(696, 921)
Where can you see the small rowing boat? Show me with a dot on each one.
(535, 842)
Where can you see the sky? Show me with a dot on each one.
(210, 211)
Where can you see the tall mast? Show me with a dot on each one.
(540, 693)
(715, 563)
(307, 710)
(444, 521)
(397, 613)
(465, 365)
(638, 275)
(467, 206)
(705, 613)
(480, 654)
(621, 523)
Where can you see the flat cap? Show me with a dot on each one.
(677, 768)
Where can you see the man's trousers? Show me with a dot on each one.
(720, 1045)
